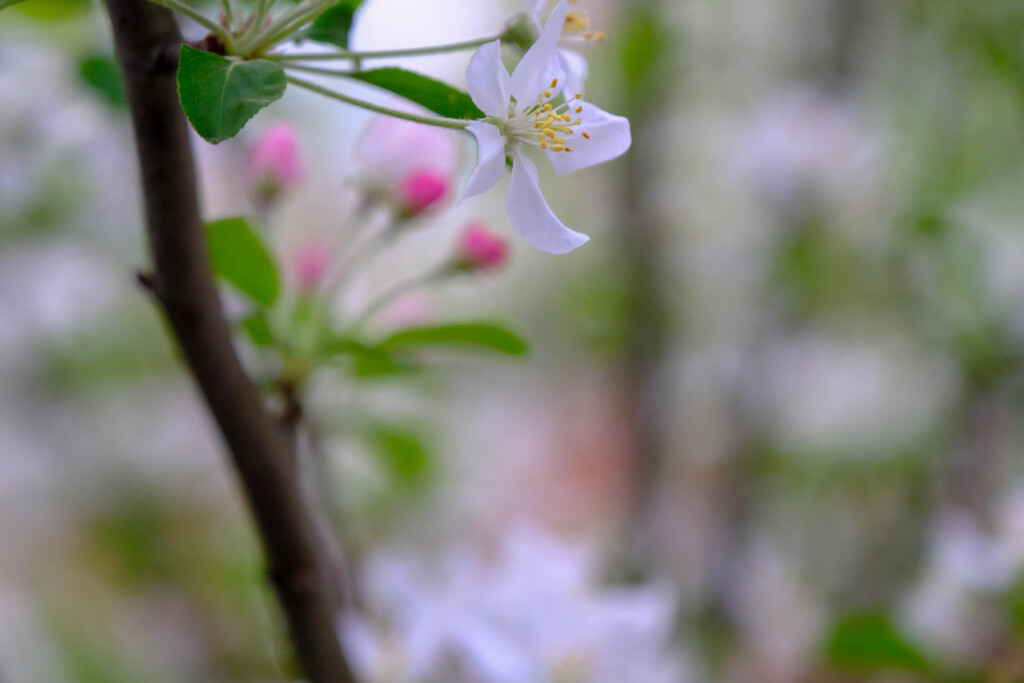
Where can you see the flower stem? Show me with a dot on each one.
(439, 121)
(208, 24)
(398, 290)
(317, 70)
(376, 54)
(285, 24)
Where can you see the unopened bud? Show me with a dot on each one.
(521, 30)
(421, 190)
(309, 263)
(480, 249)
(274, 163)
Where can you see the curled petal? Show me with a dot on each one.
(575, 66)
(540, 64)
(609, 138)
(530, 215)
(490, 144)
(488, 81)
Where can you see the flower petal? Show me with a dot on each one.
(540, 64)
(488, 81)
(530, 215)
(609, 138)
(575, 66)
(490, 144)
(536, 7)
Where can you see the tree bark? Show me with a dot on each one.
(298, 556)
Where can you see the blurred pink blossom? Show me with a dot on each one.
(480, 249)
(407, 164)
(422, 189)
(274, 163)
(309, 262)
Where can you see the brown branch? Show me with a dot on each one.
(298, 556)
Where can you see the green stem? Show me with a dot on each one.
(441, 122)
(316, 70)
(208, 24)
(398, 290)
(285, 24)
(376, 54)
(255, 21)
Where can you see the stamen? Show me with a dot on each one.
(557, 148)
(547, 93)
(554, 82)
(547, 106)
(578, 96)
(579, 109)
(585, 134)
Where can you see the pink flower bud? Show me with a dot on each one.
(274, 163)
(309, 263)
(422, 189)
(480, 249)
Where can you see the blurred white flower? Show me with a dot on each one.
(535, 614)
(804, 145)
(821, 392)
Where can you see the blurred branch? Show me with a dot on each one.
(645, 59)
(298, 555)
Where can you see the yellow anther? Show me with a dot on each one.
(547, 107)
(554, 82)
(557, 148)
(579, 109)
(566, 117)
(550, 133)
(547, 93)
(568, 149)
(579, 96)
(600, 35)
(585, 134)
(543, 143)
(560, 141)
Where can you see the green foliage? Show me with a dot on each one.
(646, 48)
(480, 335)
(334, 25)
(438, 97)
(402, 451)
(100, 72)
(239, 256)
(220, 94)
(49, 10)
(257, 329)
(870, 642)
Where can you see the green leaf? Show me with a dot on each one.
(238, 256)
(334, 25)
(438, 97)
(100, 72)
(50, 10)
(220, 94)
(489, 336)
(258, 330)
(870, 642)
(369, 362)
(403, 452)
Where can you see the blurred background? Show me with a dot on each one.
(768, 429)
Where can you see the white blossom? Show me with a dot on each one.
(530, 107)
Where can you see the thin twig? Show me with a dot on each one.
(298, 553)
